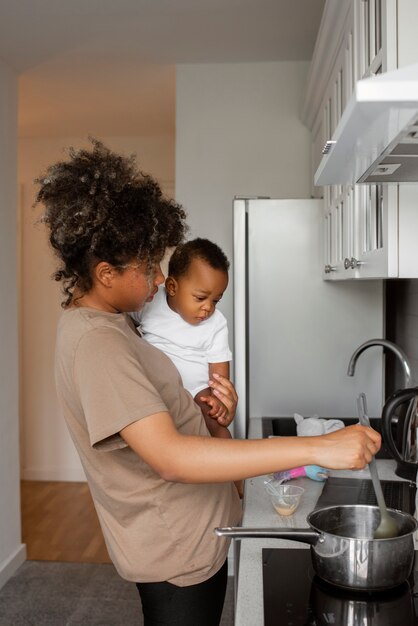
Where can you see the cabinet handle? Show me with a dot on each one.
(355, 263)
(329, 268)
(352, 263)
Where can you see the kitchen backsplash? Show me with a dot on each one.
(401, 328)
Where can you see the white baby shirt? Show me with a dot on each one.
(190, 347)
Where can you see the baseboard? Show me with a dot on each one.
(73, 474)
(11, 564)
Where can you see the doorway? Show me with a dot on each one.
(59, 523)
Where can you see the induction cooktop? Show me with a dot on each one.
(399, 494)
(295, 596)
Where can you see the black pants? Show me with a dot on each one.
(164, 604)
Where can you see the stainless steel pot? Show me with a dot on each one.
(343, 550)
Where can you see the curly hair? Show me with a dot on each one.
(198, 248)
(100, 207)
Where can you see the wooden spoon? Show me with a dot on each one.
(387, 527)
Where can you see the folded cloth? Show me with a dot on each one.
(315, 472)
(315, 425)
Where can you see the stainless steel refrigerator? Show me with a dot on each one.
(294, 333)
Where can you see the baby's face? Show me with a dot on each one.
(195, 295)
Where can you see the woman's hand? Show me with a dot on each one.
(351, 447)
(224, 391)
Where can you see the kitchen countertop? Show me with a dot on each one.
(259, 512)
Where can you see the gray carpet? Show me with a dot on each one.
(44, 593)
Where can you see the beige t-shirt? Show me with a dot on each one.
(108, 377)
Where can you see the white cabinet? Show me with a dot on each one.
(364, 225)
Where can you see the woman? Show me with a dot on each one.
(159, 482)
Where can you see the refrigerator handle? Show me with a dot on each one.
(240, 315)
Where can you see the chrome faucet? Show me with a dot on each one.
(388, 345)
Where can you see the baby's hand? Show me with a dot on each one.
(217, 410)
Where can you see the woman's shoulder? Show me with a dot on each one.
(82, 323)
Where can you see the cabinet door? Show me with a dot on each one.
(375, 232)
(407, 231)
(369, 36)
(375, 27)
(317, 143)
(333, 240)
(338, 202)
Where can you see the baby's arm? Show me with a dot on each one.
(210, 404)
(216, 415)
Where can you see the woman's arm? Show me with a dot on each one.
(192, 459)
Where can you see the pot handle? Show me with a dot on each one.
(398, 398)
(304, 535)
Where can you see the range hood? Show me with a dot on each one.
(376, 140)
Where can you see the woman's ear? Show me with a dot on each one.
(171, 286)
(104, 273)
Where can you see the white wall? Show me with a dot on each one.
(12, 551)
(47, 452)
(238, 133)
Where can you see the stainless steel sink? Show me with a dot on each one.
(286, 427)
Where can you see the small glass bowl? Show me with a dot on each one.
(284, 497)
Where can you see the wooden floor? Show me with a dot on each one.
(59, 523)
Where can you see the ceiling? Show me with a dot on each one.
(108, 66)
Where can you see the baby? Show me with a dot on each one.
(182, 321)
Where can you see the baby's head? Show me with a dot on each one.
(197, 279)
